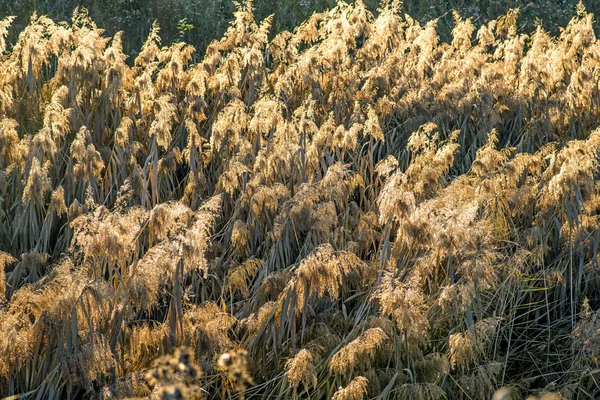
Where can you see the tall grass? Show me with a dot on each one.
(351, 210)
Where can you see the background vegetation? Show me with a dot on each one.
(210, 18)
(352, 210)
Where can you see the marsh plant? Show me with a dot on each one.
(352, 210)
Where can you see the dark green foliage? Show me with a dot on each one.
(210, 18)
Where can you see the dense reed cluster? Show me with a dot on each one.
(353, 210)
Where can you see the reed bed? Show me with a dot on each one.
(353, 210)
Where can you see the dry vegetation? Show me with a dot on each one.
(354, 210)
